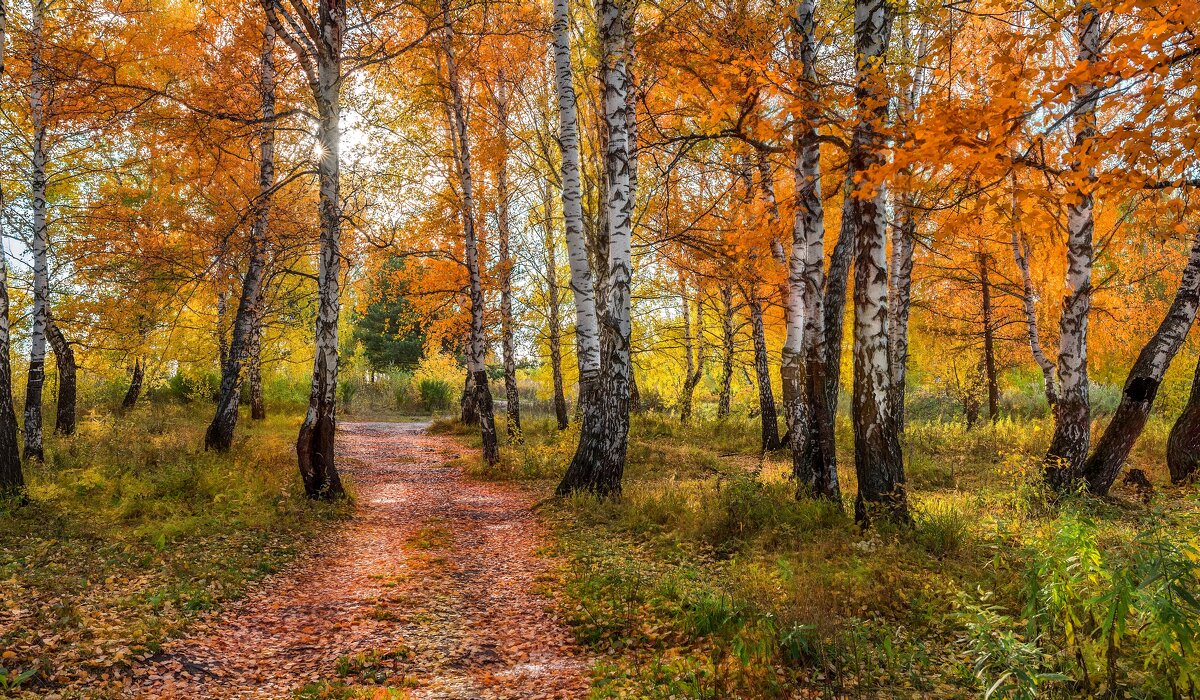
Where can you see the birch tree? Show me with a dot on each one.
(12, 480)
(476, 345)
(64, 362)
(220, 431)
(316, 40)
(587, 330)
(599, 461)
(1072, 413)
(39, 240)
(1141, 386)
(877, 457)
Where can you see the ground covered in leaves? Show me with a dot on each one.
(428, 591)
(131, 532)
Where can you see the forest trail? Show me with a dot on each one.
(431, 585)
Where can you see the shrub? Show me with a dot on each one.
(435, 395)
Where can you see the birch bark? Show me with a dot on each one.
(64, 361)
(1072, 413)
(1141, 386)
(220, 431)
(877, 456)
(512, 397)
(587, 333)
(318, 50)
(599, 461)
(39, 242)
(12, 480)
(477, 348)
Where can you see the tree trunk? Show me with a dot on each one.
(989, 342)
(512, 397)
(320, 56)
(553, 321)
(135, 385)
(587, 328)
(469, 403)
(727, 347)
(477, 348)
(1072, 413)
(899, 304)
(1141, 386)
(599, 462)
(258, 408)
(693, 347)
(811, 423)
(222, 325)
(1028, 300)
(762, 371)
(1183, 443)
(877, 457)
(12, 481)
(64, 360)
(39, 243)
(220, 431)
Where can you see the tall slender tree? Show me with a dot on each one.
(1073, 410)
(12, 480)
(877, 456)
(316, 40)
(599, 462)
(476, 345)
(220, 431)
(39, 240)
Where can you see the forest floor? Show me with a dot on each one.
(432, 589)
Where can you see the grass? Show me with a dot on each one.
(131, 530)
(707, 579)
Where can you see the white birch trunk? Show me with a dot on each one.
(587, 328)
(319, 52)
(477, 347)
(877, 457)
(220, 432)
(39, 242)
(599, 461)
(1072, 414)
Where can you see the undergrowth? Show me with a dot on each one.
(708, 579)
(131, 529)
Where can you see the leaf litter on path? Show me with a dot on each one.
(431, 586)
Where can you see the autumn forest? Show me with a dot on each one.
(599, 349)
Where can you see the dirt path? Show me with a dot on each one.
(432, 585)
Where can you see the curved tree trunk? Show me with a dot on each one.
(39, 241)
(319, 52)
(477, 349)
(220, 431)
(1183, 443)
(135, 385)
(64, 359)
(1028, 299)
(877, 457)
(1073, 412)
(599, 462)
(1141, 386)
